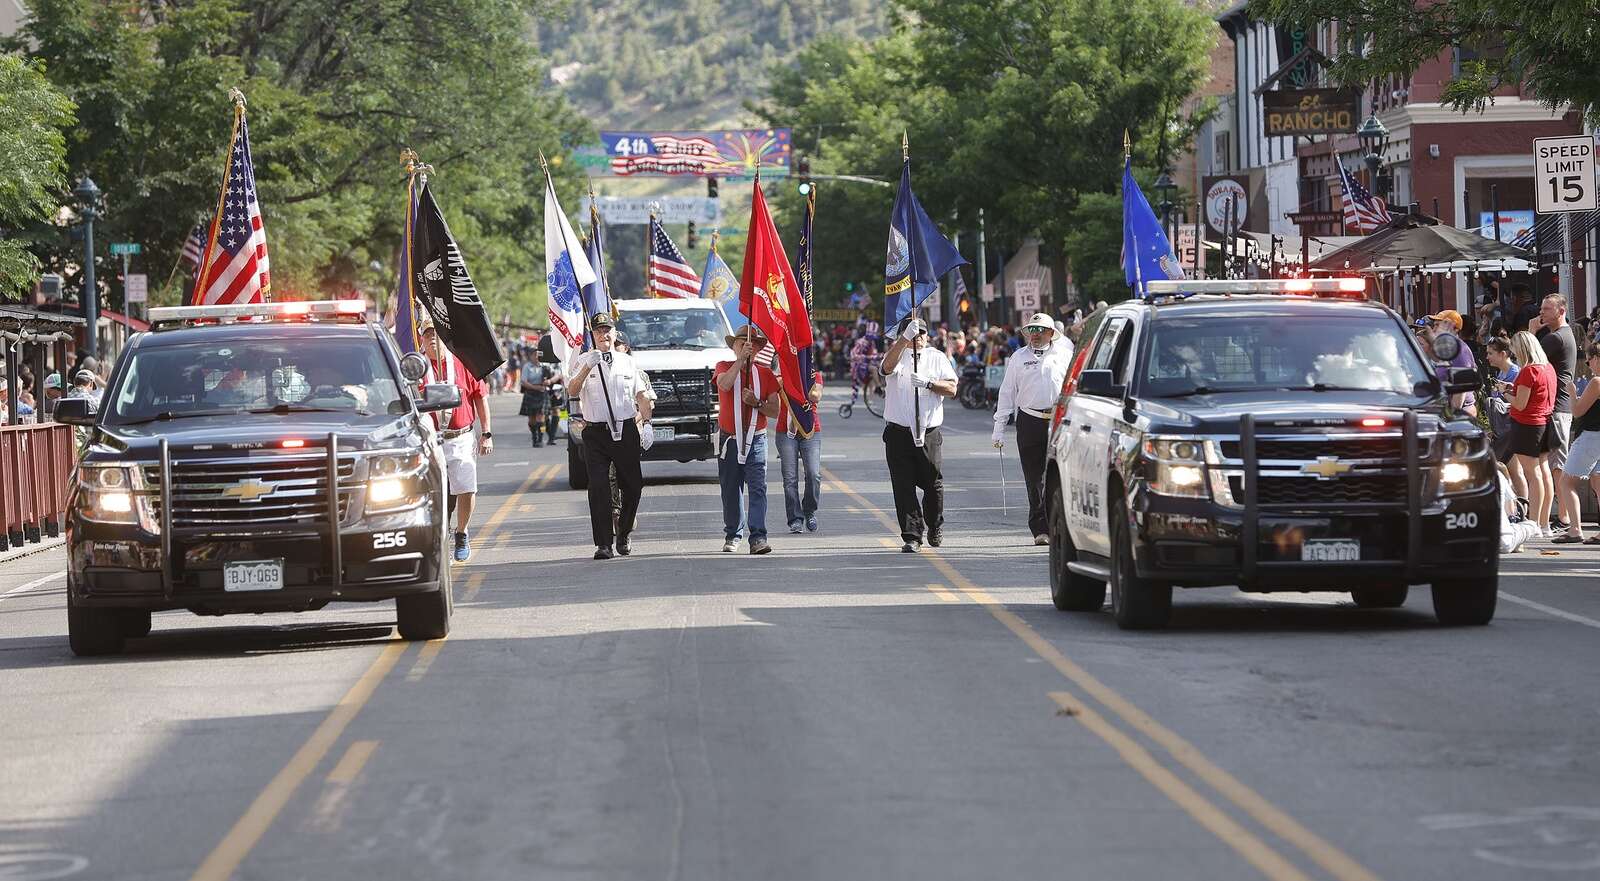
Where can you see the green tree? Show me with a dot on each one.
(1550, 47)
(32, 161)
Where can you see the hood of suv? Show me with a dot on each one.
(653, 360)
(1220, 413)
(249, 432)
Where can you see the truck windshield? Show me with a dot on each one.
(1256, 352)
(675, 329)
(254, 376)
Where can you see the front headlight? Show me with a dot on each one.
(1466, 466)
(395, 480)
(114, 494)
(1177, 467)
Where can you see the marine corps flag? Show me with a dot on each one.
(441, 285)
(772, 299)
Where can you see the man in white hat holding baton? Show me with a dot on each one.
(1034, 374)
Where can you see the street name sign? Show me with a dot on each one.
(121, 248)
(1564, 174)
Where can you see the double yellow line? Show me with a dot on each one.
(1206, 812)
(247, 832)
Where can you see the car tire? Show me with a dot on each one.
(92, 632)
(426, 616)
(577, 469)
(1137, 603)
(1069, 591)
(134, 623)
(1466, 602)
(1387, 596)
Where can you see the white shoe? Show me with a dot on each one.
(1041, 540)
(730, 546)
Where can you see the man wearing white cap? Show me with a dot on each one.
(1034, 374)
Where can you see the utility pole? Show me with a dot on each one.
(89, 195)
(983, 274)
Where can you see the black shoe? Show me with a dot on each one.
(935, 537)
(624, 547)
(911, 547)
(603, 553)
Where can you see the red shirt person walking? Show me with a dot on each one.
(748, 395)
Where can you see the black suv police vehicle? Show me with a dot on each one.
(1275, 435)
(261, 458)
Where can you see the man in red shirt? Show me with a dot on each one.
(742, 459)
(796, 452)
(462, 445)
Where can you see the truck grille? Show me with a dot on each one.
(1390, 448)
(1379, 489)
(682, 392)
(286, 491)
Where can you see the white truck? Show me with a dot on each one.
(679, 344)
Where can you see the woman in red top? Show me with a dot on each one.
(1532, 398)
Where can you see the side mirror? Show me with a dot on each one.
(1446, 346)
(1100, 384)
(413, 366)
(439, 396)
(1461, 379)
(76, 411)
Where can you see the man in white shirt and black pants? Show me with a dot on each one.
(1034, 374)
(616, 409)
(917, 379)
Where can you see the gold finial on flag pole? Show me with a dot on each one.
(1127, 145)
(905, 146)
(237, 97)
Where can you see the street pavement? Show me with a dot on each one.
(836, 710)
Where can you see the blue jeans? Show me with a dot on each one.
(751, 477)
(794, 452)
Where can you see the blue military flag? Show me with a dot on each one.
(596, 296)
(803, 257)
(918, 255)
(719, 283)
(405, 312)
(1146, 253)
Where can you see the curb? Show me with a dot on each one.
(28, 550)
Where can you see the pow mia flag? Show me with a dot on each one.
(440, 283)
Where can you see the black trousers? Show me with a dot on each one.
(601, 454)
(912, 468)
(1033, 439)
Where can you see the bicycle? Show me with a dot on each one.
(866, 385)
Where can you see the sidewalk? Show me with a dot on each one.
(28, 550)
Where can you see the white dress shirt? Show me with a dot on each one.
(1033, 382)
(931, 365)
(623, 379)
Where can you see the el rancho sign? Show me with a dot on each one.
(1290, 112)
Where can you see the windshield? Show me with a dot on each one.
(244, 376)
(675, 329)
(1258, 352)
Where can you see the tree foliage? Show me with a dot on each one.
(32, 162)
(335, 90)
(1017, 107)
(1550, 46)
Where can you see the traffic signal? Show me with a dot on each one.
(693, 239)
(804, 164)
(711, 187)
(849, 286)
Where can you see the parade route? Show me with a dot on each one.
(834, 710)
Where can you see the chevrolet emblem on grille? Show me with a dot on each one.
(1325, 468)
(250, 490)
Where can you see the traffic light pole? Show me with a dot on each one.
(983, 275)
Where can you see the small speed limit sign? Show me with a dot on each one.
(1564, 174)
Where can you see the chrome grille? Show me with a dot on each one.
(681, 392)
(298, 490)
(1376, 489)
(1385, 447)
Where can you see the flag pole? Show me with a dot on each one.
(599, 367)
(916, 356)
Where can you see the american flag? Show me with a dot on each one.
(670, 275)
(234, 267)
(194, 246)
(1363, 212)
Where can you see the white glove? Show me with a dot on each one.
(589, 358)
(921, 383)
(647, 436)
(912, 331)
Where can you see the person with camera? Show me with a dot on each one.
(614, 399)
(917, 378)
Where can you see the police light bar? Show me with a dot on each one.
(252, 312)
(1186, 287)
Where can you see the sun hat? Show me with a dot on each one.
(1040, 321)
(52, 381)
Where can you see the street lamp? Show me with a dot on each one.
(1374, 137)
(89, 200)
(1165, 188)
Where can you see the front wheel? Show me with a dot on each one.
(134, 623)
(970, 394)
(845, 410)
(426, 615)
(1138, 603)
(873, 395)
(1069, 591)
(91, 631)
(1467, 601)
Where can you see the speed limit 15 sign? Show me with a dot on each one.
(1564, 174)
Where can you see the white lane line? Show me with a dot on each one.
(1550, 610)
(512, 464)
(17, 591)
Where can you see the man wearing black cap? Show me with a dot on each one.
(616, 407)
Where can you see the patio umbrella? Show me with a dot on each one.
(1420, 242)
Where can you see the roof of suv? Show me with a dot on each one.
(272, 331)
(1233, 304)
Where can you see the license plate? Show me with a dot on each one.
(1330, 550)
(665, 433)
(252, 575)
